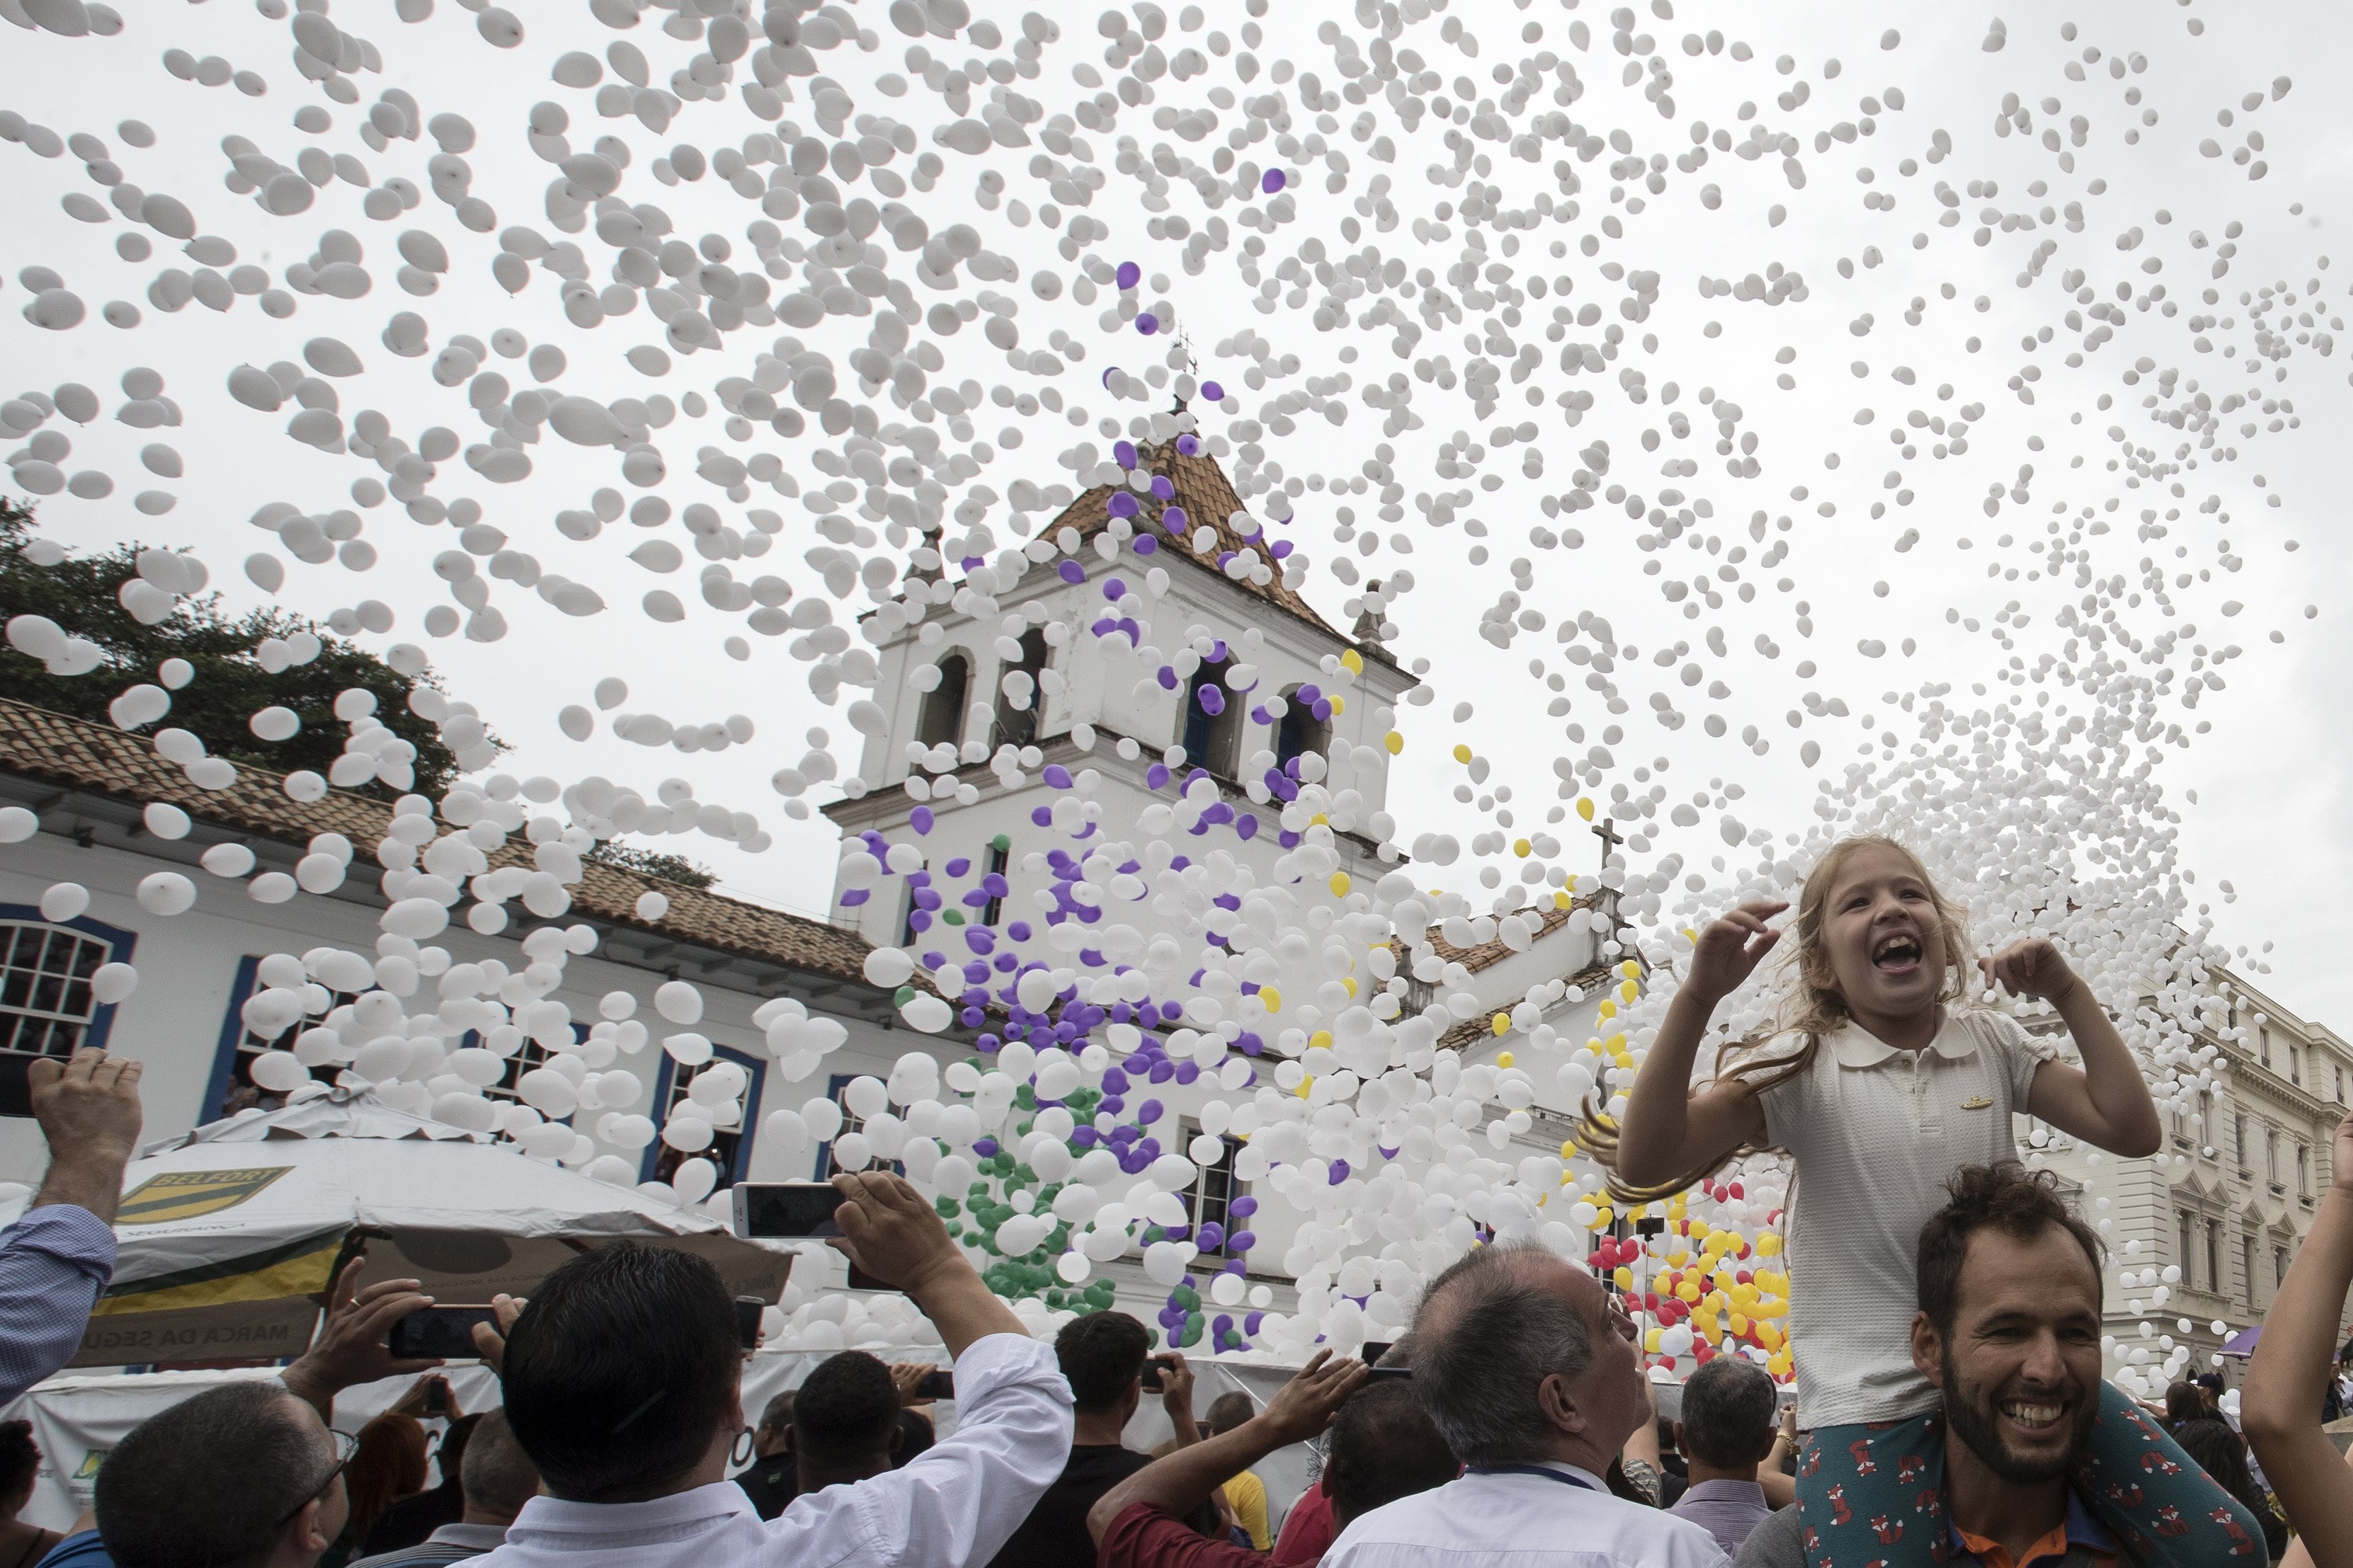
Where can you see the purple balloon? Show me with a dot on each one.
(1273, 182)
(1129, 274)
(1213, 392)
(1147, 323)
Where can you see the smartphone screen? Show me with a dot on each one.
(938, 1385)
(1372, 1351)
(786, 1209)
(748, 1309)
(436, 1398)
(444, 1331)
(1153, 1383)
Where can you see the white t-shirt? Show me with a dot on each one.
(1876, 1133)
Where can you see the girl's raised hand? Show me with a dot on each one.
(2031, 966)
(1730, 948)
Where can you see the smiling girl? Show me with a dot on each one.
(1880, 1084)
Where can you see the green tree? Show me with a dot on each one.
(79, 594)
(653, 862)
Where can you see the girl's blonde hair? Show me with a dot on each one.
(1810, 1005)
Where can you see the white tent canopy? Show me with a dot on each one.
(229, 1236)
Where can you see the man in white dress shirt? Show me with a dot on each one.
(621, 1378)
(1528, 1368)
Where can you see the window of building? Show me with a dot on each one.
(940, 719)
(240, 1092)
(730, 1149)
(1212, 741)
(2247, 1269)
(2337, 1072)
(1300, 734)
(2302, 1169)
(2271, 1155)
(827, 1166)
(2279, 1267)
(1209, 1200)
(1000, 853)
(2181, 1246)
(2263, 1044)
(46, 1005)
(1020, 707)
(2214, 1256)
(2294, 1067)
(2239, 1141)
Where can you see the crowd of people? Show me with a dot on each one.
(1946, 1318)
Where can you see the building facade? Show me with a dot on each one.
(2231, 1196)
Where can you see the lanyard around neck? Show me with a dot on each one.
(1550, 1475)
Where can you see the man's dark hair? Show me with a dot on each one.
(2212, 1382)
(917, 1436)
(2221, 1454)
(2020, 1204)
(496, 1474)
(778, 1413)
(1728, 1413)
(20, 1457)
(1228, 1411)
(210, 1481)
(620, 1370)
(1485, 1335)
(846, 1409)
(1101, 1354)
(2183, 1402)
(1384, 1447)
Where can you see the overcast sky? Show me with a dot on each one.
(2269, 777)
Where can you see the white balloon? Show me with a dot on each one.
(167, 893)
(110, 983)
(63, 901)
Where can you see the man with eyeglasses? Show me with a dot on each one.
(250, 1475)
(1532, 1373)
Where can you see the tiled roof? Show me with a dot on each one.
(38, 743)
(1487, 954)
(1208, 498)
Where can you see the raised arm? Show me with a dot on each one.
(893, 1234)
(2106, 1102)
(2280, 1409)
(1668, 1127)
(1176, 1483)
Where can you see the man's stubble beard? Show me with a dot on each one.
(1971, 1417)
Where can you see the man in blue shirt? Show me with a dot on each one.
(57, 1259)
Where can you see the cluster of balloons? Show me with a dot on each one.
(802, 280)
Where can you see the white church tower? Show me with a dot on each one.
(1139, 670)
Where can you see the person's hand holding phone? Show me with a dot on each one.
(490, 1342)
(920, 1382)
(892, 1231)
(351, 1346)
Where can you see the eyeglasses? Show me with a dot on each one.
(1614, 1309)
(346, 1447)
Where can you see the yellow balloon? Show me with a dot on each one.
(1272, 998)
(1628, 991)
(1349, 981)
(1395, 741)
(1585, 806)
(1503, 1059)
(1567, 1150)
(1571, 883)
(1650, 1341)
(1522, 847)
(1561, 900)
(1339, 884)
(1624, 1278)
(1305, 1084)
(1353, 663)
(1609, 1008)
(1339, 703)
(1502, 1023)
(1631, 970)
(1461, 753)
(1768, 1244)
(1320, 1037)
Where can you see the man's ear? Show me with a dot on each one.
(791, 1447)
(1681, 1447)
(304, 1530)
(898, 1438)
(1927, 1350)
(1559, 1404)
